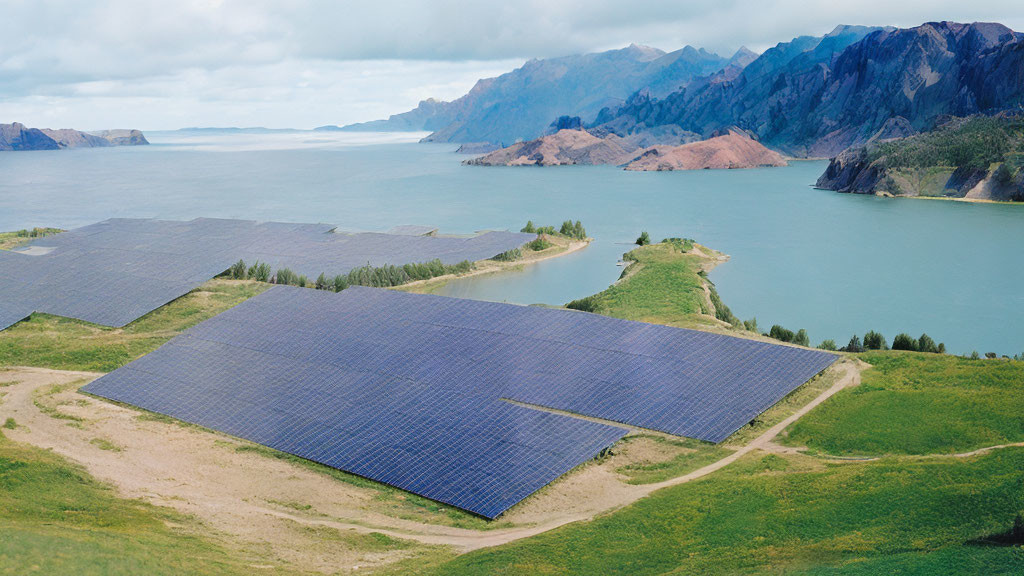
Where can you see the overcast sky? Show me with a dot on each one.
(154, 64)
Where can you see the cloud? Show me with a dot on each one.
(151, 63)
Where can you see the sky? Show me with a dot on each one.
(153, 64)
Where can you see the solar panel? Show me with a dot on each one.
(412, 390)
(115, 271)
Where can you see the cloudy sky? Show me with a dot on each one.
(154, 64)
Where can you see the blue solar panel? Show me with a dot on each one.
(115, 271)
(410, 389)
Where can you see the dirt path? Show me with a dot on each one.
(267, 503)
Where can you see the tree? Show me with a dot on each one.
(321, 282)
(579, 231)
(854, 345)
(904, 341)
(991, 355)
(529, 228)
(875, 341)
(801, 338)
(644, 239)
(975, 355)
(827, 345)
(340, 282)
(926, 344)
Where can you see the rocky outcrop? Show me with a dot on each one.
(17, 137)
(565, 147)
(729, 151)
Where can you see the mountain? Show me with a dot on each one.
(980, 157)
(17, 136)
(727, 151)
(818, 96)
(521, 104)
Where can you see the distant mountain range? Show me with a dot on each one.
(522, 104)
(17, 136)
(809, 97)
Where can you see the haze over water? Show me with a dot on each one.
(834, 264)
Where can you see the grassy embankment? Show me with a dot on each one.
(11, 240)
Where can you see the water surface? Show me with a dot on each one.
(834, 264)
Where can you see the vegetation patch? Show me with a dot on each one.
(772, 514)
(385, 276)
(913, 403)
(68, 344)
(11, 240)
(684, 455)
(569, 229)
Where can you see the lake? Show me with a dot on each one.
(834, 264)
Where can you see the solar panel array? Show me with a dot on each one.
(410, 389)
(115, 271)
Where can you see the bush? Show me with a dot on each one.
(302, 281)
(827, 345)
(321, 282)
(509, 255)
(801, 338)
(751, 324)
(340, 282)
(259, 271)
(286, 277)
(903, 341)
(529, 228)
(588, 304)
(644, 239)
(780, 333)
(875, 341)
(681, 244)
(238, 271)
(539, 244)
(991, 355)
(942, 348)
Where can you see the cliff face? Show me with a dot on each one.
(812, 97)
(17, 137)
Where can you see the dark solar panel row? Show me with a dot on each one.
(408, 389)
(115, 271)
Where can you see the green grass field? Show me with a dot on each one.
(67, 344)
(911, 403)
(771, 514)
(663, 286)
(55, 519)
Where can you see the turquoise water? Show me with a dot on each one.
(833, 264)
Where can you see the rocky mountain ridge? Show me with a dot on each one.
(17, 136)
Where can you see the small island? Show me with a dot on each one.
(18, 137)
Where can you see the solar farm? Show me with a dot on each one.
(473, 404)
(118, 270)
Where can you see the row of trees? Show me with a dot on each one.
(375, 276)
(509, 255)
(568, 229)
(903, 341)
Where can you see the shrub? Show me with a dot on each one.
(991, 355)
(925, 344)
(681, 244)
(875, 341)
(539, 244)
(509, 255)
(302, 281)
(827, 345)
(340, 282)
(259, 271)
(529, 228)
(751, 324)
(644, 239)
(587, 304)
(780, 333)
(286, 277)
(903, 341)
(942, 348)
(801, 338)
(975, 356)
(238, 271)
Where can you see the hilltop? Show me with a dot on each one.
(17, 136)
(976, 158)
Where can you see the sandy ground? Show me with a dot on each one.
(269, 505)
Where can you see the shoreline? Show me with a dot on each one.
(919, 197)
